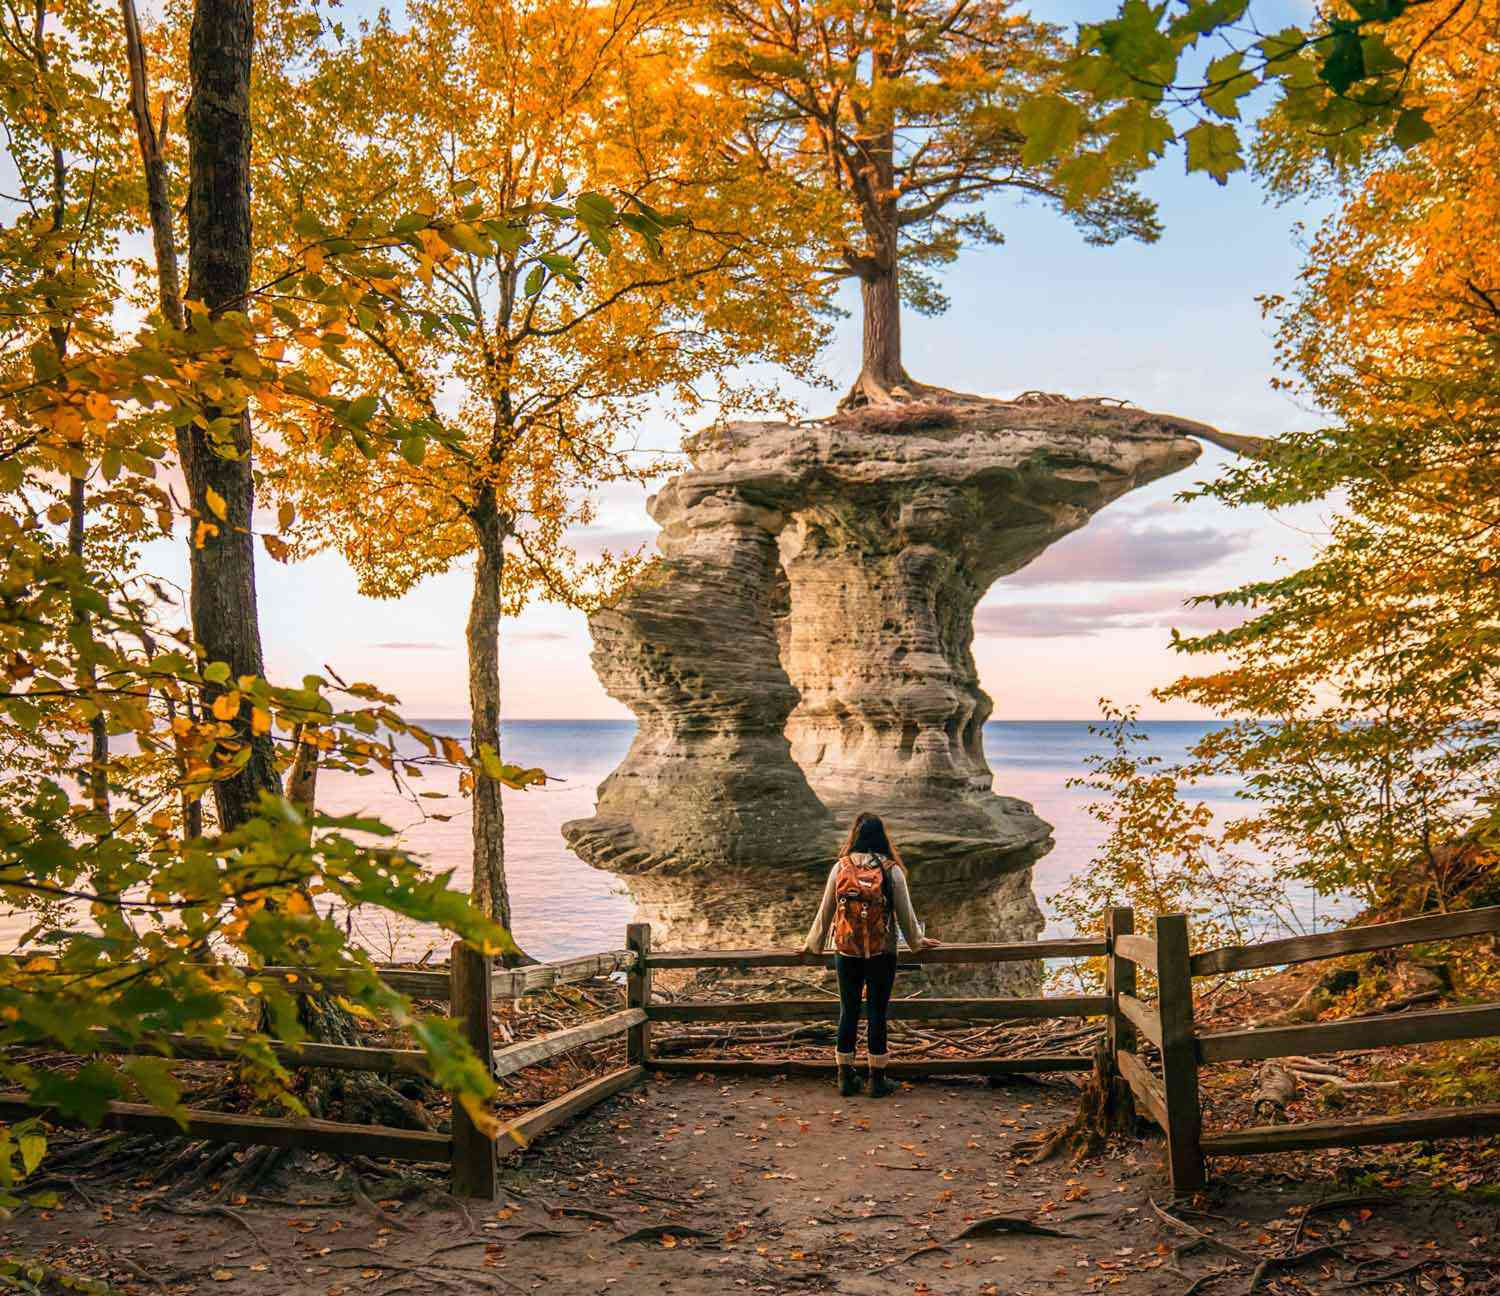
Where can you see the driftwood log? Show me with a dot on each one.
(1275, 1087)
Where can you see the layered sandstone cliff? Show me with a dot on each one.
(803, 652)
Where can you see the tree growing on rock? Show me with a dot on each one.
(905, 115)
(535, 335)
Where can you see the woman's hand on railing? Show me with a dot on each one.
(927, 943)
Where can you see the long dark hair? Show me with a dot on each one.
(868, 837)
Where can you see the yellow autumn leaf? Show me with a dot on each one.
(227, 705)
(215, 502)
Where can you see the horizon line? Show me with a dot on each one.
(991, 720)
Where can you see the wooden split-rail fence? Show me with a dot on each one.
(1172, 1100)
(471, 985)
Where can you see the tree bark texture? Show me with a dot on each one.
(488, 891)
(225, 618)
(880, 298)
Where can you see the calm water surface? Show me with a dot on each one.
(564, 907)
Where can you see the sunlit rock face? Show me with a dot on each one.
(804, 652)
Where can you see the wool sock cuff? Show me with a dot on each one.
(844, 1059)
(878, 1060)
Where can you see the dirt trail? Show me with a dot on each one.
(699, 1186)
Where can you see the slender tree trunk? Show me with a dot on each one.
(489, 891)
(168, 285)
(225, 618)
(880, 297)
(158, 194)
(96, 779)
(302, 778)
(98, 767)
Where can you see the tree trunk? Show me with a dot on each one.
(880, 299)
(168, 287)
(488, 891)
(302, 778)
(96, 780)
(98, 766)
(225, 619)
(154, 167)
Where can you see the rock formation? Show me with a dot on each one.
(804, 651)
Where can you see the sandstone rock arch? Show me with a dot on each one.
(804, 651)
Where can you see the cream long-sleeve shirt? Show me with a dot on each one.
(906, 916)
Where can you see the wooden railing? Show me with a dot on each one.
(773, 1010)
(469, 986)
(1173, 1100)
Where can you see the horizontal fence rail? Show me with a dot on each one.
(753, 1010)
(516, 982)
(1352, 940)
(270, 1131)
(1439, 1122)
(992, 1066)
(1014, 952)
(335, 1057)
(1426, 1027)
(1172, 1101)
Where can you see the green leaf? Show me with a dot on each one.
(361, 409)
(1345, 63)
(465, 238)
(595, 208)
(1379, 57)
(1226, 84)
(1215, 148)
(559, 185)
(33, 1149)
(414, 449)
(1139, 132)
(1411, 129)
(216, 672)
(534, 281)
(1204, 16)
(1051, 125)
(153, 1076)
(309, 226)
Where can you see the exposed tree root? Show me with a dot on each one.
(1106, 1109)
(870, 391)
(199, 1212)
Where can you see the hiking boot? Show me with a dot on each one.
(849, 1081)
(880, 1087)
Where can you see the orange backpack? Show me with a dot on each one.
(862, 916)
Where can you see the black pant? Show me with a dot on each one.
(879, 974)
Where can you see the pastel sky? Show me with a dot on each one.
(1174, 326)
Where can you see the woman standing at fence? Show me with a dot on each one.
(866, 896)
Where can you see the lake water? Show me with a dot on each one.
(563, 907)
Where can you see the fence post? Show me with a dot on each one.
(1119, 978)
(1179, 1053)
(473, 1168)
(638, 993)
